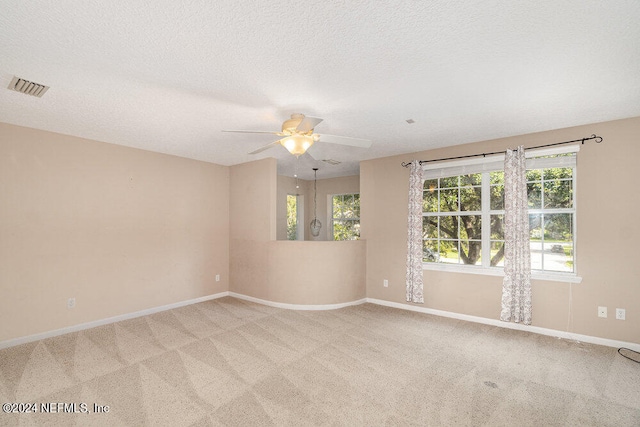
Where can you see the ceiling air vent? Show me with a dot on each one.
(27, 87)
(332, 162)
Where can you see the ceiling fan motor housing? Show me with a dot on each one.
(289, 126)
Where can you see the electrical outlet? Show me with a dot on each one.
(217, 277)
(385, 283)
(620, 313)
(71, 303)
(602, 311)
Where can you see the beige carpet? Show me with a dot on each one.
(230, 362)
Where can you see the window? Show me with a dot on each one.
(452, 219)
(345, 216)
(295, 229)
(463, 212)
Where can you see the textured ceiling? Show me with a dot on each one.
(168, 76)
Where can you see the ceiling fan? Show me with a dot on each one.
(297, 136)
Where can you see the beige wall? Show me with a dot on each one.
(123, 230)
(252, 223)
(253, 200)
(607, 237)
(284, 271)
(316, 273)
(119, 229)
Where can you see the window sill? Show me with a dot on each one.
(470, 269)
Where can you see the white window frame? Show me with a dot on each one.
(492, 163)
(332, 216)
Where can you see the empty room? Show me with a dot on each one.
(251, 213)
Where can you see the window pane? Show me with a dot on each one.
(497, 197)
(345, 230)
(471, 179)
(430, 201)
(536, 259)
(342, 204)
(338, 230)
(356, 211)
(557, 173)
(430, 184)
(449, 200)
(356, 205)
(497, 227)
(534, 195)
(449, 251)
(352, 232)
(471, 199)
(497, 254)
(558, 194)
(429, 227)
(346, 216)
(471, 227)
(535, 243)
(558, 256)
(449, 227)
(337, 206)
(347, 206)
(556, 249)
(355, 230)
(292, 217)
(470, 252)
(496, 177)
(535, 227)
(534, 175)
(430, 251)
(348, 211)
(557, 227)
(450, 182)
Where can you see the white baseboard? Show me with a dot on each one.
(93, 324)
(509, 325)
(468, 318)
(297, 306)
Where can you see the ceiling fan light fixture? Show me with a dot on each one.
(297, 144)
(297, 136)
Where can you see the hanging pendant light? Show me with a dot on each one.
(315, 225)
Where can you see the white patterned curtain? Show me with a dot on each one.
(516, 287)
(414, 235)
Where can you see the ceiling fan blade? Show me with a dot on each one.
(307, 124)
(345, 140)
(265, 147)
(318, 151)
(254, 131)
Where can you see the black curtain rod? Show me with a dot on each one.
(598, 140)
